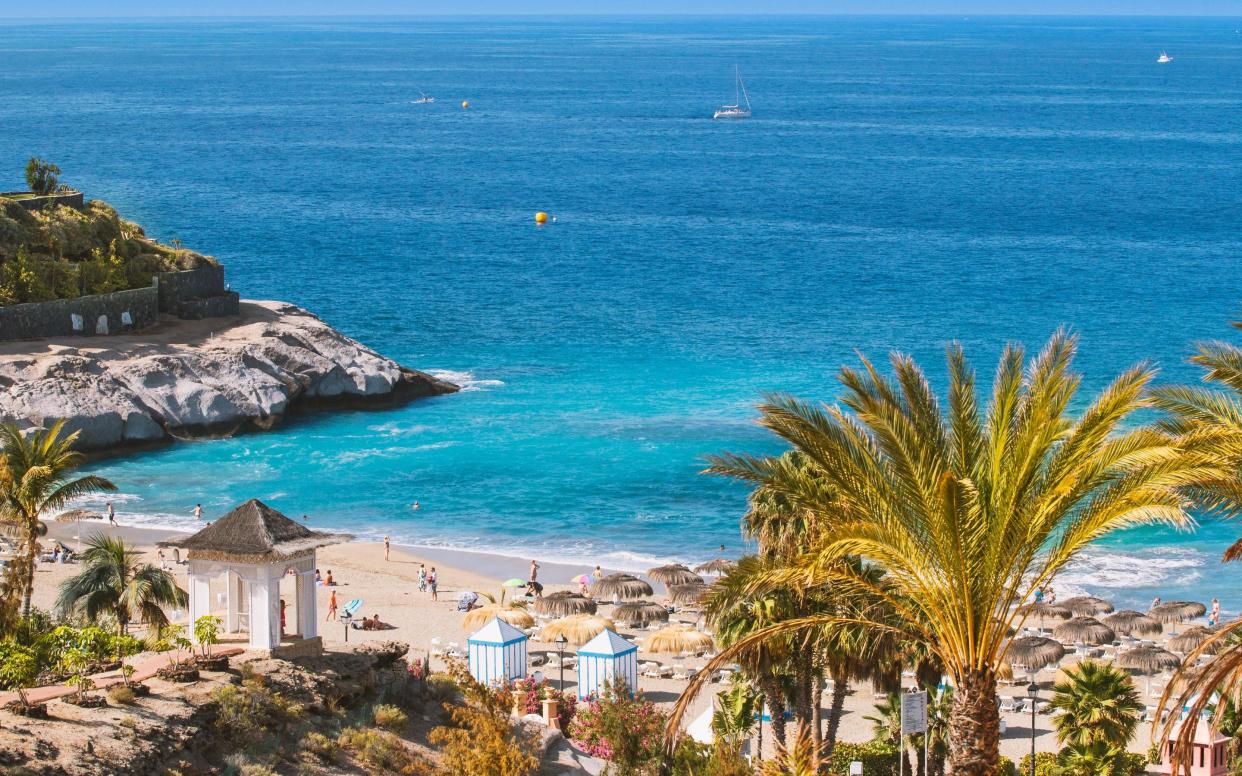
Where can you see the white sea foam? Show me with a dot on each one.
(398, 429)
(466, 380)
(1150, 568)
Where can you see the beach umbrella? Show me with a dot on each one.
(1034, 652)
(583, 579)
(620, 586)
(1128, 622)
(516, 616)
(1043, 610)
(1004, 672)
(513, 582)
(1087, 606)
(1148, 660)
(578, 629)
(717, 566)
(687, 594)
(1177, 611)
(674, 574)
(1088, 630)
(1190, 638)
(639, 613)
(563, 603)
(677, 639)
(77, 516)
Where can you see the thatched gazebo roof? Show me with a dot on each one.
(563, 603)
(1088, 630)
(1087, 605)
(639, 613)
(1034, 652)
(516, 616)
(621, 585)
(1177, 611)
(674, 574)
(254, 533)
(1128, 621)
(717, 566)
(1191, 638)
(1148, 659)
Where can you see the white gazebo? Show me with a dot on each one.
(254, 547)
(497, 653)
(607, 657)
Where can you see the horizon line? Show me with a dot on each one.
(616, 15)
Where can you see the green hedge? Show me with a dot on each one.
(879, 758)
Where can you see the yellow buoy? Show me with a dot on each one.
(465, 103)
(541, 217)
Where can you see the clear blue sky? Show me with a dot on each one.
(115, 8)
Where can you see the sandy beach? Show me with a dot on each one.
(389, 589)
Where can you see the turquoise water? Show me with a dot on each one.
(903, 182)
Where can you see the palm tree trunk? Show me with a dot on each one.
(32, 552)
(776, 707)
(840, 686)
(974, 726)
(817, 700)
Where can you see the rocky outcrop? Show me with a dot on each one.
(185, 379)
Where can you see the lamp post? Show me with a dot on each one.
(561, 641)
(1032, 690)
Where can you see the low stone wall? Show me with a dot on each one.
(219, 306)
(177, 287)
(69, 199)
(98, 314)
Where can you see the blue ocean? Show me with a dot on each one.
(903, 182)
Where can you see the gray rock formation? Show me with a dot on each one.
(185, 379)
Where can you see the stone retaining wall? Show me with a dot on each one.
(98, 314)
(218, 306)
(199, 283)
(69, 199)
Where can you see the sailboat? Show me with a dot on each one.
(424, 100)
(735, 111)
(1164, 58)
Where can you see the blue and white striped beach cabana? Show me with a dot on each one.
(606, 657)
(497, 653)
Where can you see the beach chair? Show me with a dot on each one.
(1008, 705)
(650, 670)
(435, 647)
(679, 673)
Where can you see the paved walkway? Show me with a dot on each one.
(142, 671)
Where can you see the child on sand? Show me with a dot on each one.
(331, 606)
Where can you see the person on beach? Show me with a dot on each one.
(598, 573)
(432, 583)
(534, 589)
(386, 547)
(318, 578)
(330, 582)
(111, 514)
(1215, 612)
(1154, 603)
(198, 511)
(422, 578)
(282, 617)
(331, 606)
(534, 571)
(1052, 595)
(1039, 595)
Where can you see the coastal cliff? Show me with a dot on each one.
(185, 379)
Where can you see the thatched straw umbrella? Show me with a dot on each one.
(1087, 606)
(1177, 611)
(1042, 610)
(639, 613)
(718, 566)
(1004, 672)
(577, 628)
(563, 603)
(516, 616)
(1034, 652)
(677, 639)
(620, 586)
(1148, 660)
(1088, 630)
(77, 516)
(687, 594)
(1190, 638)
(1128, 622)
(674, 574)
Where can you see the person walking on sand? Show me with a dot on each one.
(331, 606)
(433, 583)
(111, 515)
(422, 578)
(534, 571)
(598, 573)
(386, 548)
(1215, 612)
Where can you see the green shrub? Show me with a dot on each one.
(379, 749)
(19, 665)
(879, 758)
(120, 695)
(1007, 768)
(1131, 764)
(321, 747)
(390, 717)
(1046, 764)
(247, 713)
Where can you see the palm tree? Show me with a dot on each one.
(1098, 758)
(35, 483)
(113, 580)
(968, 510)
(1096, 703)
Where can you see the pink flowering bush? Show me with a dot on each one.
(620, 727)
